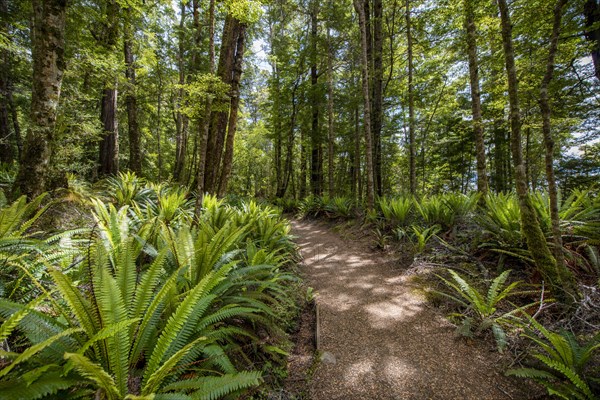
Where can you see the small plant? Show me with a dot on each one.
(564, 361)
(395, 212)
(380, 238)
(339, 207)
(422, 235)
(481, 310)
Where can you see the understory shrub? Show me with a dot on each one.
(151, 306)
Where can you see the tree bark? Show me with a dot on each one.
(219, 119)
(48, 39)
(109, 143)
(181, 121)
(412, 157)
(377, 92)
(316, 165)
(330, 126)
(367, 103)
(202, 156)
(482, 183)
(548, 137)
(536, 242)
(233, 111)
(135, 156)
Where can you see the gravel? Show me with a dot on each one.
(379, 337)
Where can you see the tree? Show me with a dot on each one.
(367, 103)
(482, 185)
(107, 38)
(48, 40)
(559, 277)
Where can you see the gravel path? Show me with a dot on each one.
(380, 338)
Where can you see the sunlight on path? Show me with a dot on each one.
(385, 342)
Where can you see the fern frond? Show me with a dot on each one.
(95, 373)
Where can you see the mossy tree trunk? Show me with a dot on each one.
(559, 278)
(48, 39)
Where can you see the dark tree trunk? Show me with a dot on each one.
(219, 119)
(412, 156)
(367, 103)
(377, 91)
(205, 128)
(289, 157)
(181, 120)
(560, 280)
(330, 126)
(135, 156)
(109, 143)
(591, 10)
(48, 41)
(482, 184)
(316, 159)
(548, 137)
(233, 111)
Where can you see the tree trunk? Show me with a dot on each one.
(412, 157)
(181, 121)
(548, 137)
(219, 119)
(482, 184)
(233, 111)
(367, 104)
(289, 157)
(377, 92)
(202, 156)
(591, 11)
(109, 143)
(316, 165)
(536, 242)
(135, 156)
(331, 130)
(356, 185)
(48, 41)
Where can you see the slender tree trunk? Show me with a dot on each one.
(180, 119)
(135, 156)
(203, 148)
(316, 167)
(367, 103)
(289, 158)
(548, 137)
(158, 120)
(356, 186)
(302, 178)
(109, 143)
(233, 111)
(6, 137)
(377, 92)
(48, 41)
(536, 242)
(482, 184)
(330, 126)
(412, 157)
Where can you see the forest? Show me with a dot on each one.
(177, 175)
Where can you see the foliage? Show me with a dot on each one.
(395, 211)
(481, 310)
(155, 309)
(564, 363)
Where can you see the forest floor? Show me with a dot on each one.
(379, 338)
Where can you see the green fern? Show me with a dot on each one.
(564, 362)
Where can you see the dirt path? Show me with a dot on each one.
(385, 342)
